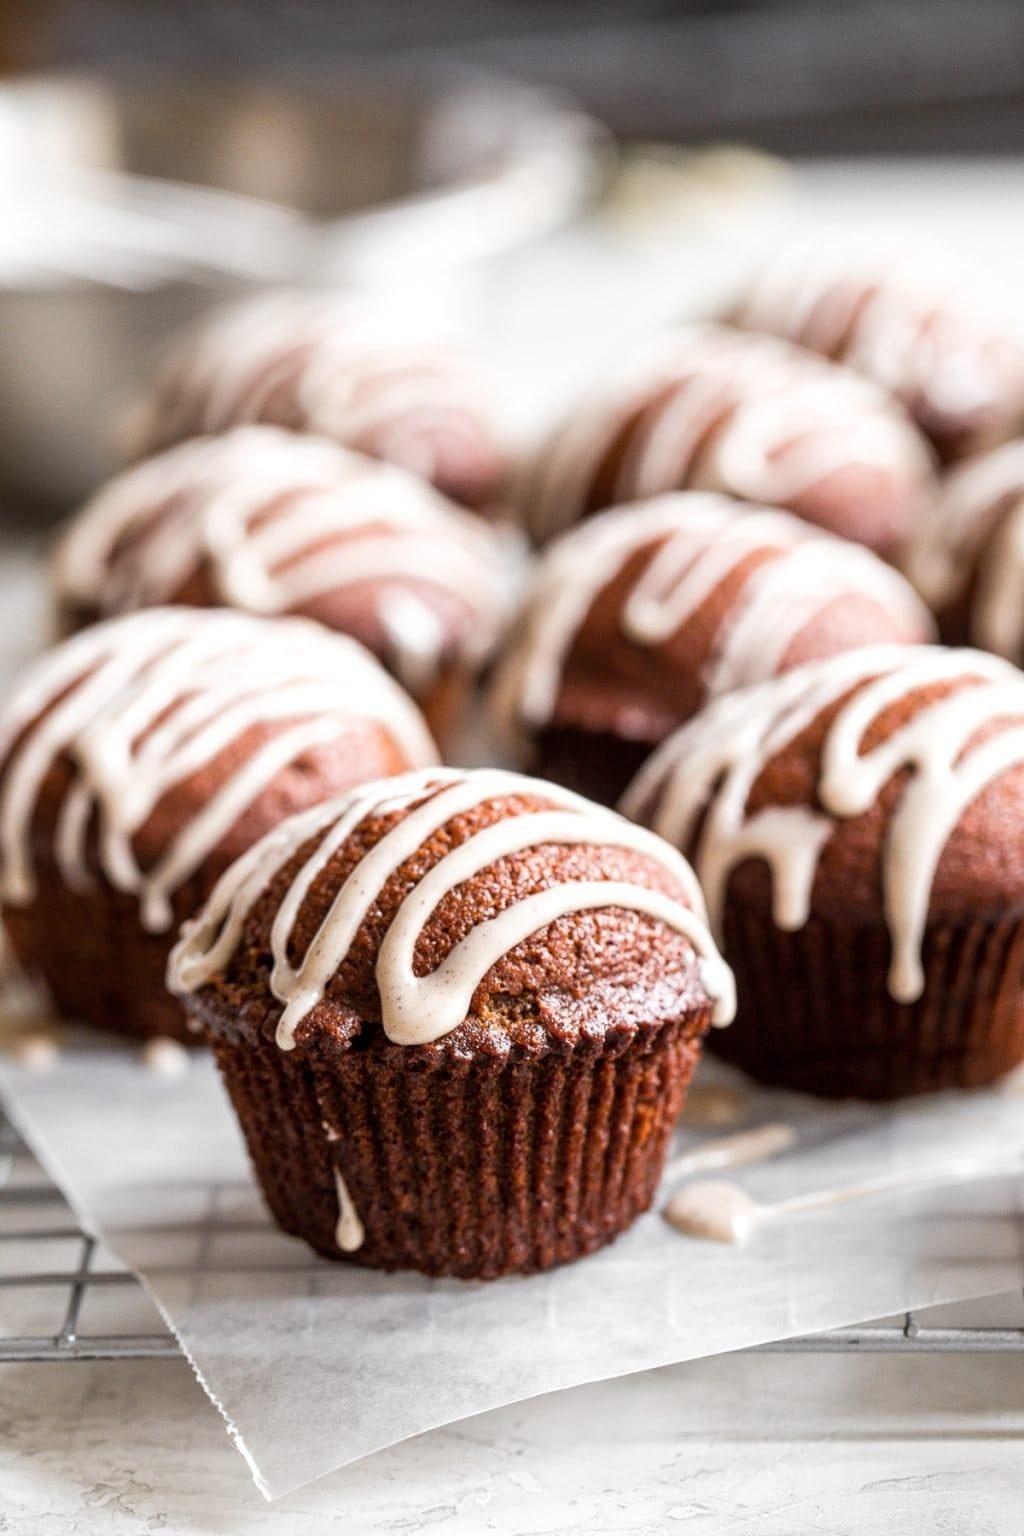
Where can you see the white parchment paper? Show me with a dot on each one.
(314, 1364)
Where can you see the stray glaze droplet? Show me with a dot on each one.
(37, 1050)
(712, 1209)
(165, 1057)
(349, 1234)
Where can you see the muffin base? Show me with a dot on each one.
(815, 1015)
(104, 969)
(472, 1169)
(596, 764)
(445, 705)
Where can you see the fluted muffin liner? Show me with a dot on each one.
(473, 1168)
(596, 764)
(815, 1014)
(96, 961)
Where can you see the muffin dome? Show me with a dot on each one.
(856, 828)
(967, 561)
(271, 522)
(916, 332)
(642, 613)
(487, 992)
(710, 408)
(325, 364)
(138, 759)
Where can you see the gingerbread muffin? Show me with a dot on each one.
(273, 522)
(917, 331)
(856, 826)
(327, 364)
(640, 615)
(710, 408)
(967, 561)
(140, 758)
(457, 1013)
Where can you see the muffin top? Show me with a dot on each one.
(273, 522)
(328, 364)
(967, 560)
(640, 614)
(882, 785)
(708, 407)
(461, 912)
(150, 750)
(900, 319)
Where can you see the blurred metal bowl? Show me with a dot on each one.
(127, 210)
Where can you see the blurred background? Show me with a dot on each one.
(548, 179)
(795, 76)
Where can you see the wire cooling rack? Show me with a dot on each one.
(67, 1270)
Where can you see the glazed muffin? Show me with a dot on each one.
(273, 522)
(856, 828)
(640, 615)
(920, 333)
(328, 365)
(140, 758)
(968, 560)
(710, 408)
(457, 1014)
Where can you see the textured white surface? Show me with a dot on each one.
(729, 1447)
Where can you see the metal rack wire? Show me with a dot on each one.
(26, 1202)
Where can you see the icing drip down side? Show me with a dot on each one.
(700, 540)
(322, 364)
(138, 705)
(895, 316)
(276, 521)
(976, 535)
(706, 771)
(417, 1010)
(714, 409)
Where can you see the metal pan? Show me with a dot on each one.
(124, 211)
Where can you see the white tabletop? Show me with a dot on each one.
(768, 1444)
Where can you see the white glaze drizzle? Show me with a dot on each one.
(785, 420)
(349, 1234)
(709, 767)
(735, 1151)
(705, 538)
(977, 533)
(896, 317)
(419, 1009)
(140, 704)
(275, 521)
(346, 371)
